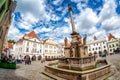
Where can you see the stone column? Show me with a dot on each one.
(71, 18)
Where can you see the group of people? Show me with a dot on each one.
(20, 59)
(8, 59)
(26, 59)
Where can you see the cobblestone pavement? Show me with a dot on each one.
(33, 71)
(115, 61)
(23, 72)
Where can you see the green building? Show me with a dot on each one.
(113, 43)
(6, 9)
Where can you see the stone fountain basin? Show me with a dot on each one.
(91, 74)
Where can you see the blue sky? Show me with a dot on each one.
(50, 18)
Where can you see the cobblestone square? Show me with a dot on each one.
(33, 71)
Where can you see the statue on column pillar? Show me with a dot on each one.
(73, 52)
(84, 40)
(71, 19)
(66, 41)
(79, 39)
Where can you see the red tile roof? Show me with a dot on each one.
(32, 34)
(110, 36)
(68, 45)
(9, 45)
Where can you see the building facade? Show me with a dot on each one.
(6, 9)
(9, 49)
(97, 46)
(30, 45)
(113, 44)
(51, 49)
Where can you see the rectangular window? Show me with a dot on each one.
(110, 46)
(89, 50)
(40, 50)
(117, 44)
(113, 45)
(46, 51)
(46, 46)
(27, 49)
(27, 43)
(99, 47)
(110, 49)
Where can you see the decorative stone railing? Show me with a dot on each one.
(78, 60)
(83, 63)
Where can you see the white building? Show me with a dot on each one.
(97, 46)
(9, 49)
(51, 49)
(29, 44)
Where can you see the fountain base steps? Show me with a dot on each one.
(51, 76)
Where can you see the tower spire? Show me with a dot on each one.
(71, 18)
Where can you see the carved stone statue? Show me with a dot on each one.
(66, 41)
(79, 39)
(73, 52)
(84, 40)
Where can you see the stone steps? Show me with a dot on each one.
(51, 76)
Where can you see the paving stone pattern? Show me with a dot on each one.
(33, 71)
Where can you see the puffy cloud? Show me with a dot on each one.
(43, 29)
(33, 7)
(33, 11)
(59, 9)
(108, 10)
(57, 2)
(86, 21)
(109, 18)
(55, 17)
(111, 24)
(14, 33)
(77, 1)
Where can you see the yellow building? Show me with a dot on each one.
(6, 9)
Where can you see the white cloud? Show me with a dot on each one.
(24, 25)
(109, 18)
(14, 33)
(37, 7)
(80, 6)
(29, 18)
(100, 33)
(59, 9)
(86, 21)
(108, 10)
(64, 11)
(34, 10)
(77, 1)
(55, 17)
(112, 23)
(43, 29)
(66, 19)
(57, 2)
